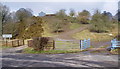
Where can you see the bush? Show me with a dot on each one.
(72, 19)
(100, 23)
(98, 29)
(33, 28)
(83, 17)
(39, 43)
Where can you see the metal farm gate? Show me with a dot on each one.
(61, 44)
(115, 44)
(84, 44)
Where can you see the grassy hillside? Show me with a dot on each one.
(66, 25)
(96, 36)
(46, 32)
(74, 25)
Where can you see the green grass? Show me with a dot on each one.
(104, 46)
(94, 36)
(46, 32)
(115, 51)
(64, 45)
(91, 46)
(30, 50)
(74, 25)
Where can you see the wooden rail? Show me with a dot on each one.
(50, 45)
(13, 43)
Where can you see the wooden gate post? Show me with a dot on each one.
(80, 44)
(12, 43)
(6, 42)
(23, 42)
(18, 42)
(53, 44)
(28, 43)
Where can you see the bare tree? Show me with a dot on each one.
(4, 12)
(23, 14)
(72, 12)
(61, 13)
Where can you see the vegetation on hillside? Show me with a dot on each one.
(75, 25)
(34, 29)
(96, 36)
(84, 16)
(23, 24)
(100, 23)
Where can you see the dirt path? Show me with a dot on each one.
(68, 35)
(100, 44)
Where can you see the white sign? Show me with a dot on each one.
(7, 35)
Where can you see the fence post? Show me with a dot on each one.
(28, 43)
(6, 42)
(23, 42)
(81, 44)
(85, 43)
(53, 44)
(12, 43)
(88, 42)
(18, 42)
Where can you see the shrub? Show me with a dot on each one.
(83, 17)
(39, 43)
(100, 23)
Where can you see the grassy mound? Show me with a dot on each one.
(95, 36)
(75, 25)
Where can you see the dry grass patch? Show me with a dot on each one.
(95, 36)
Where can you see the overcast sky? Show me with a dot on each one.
(52, 6)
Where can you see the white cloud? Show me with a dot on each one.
(58, 0)
(47, 10)
(103, 5)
